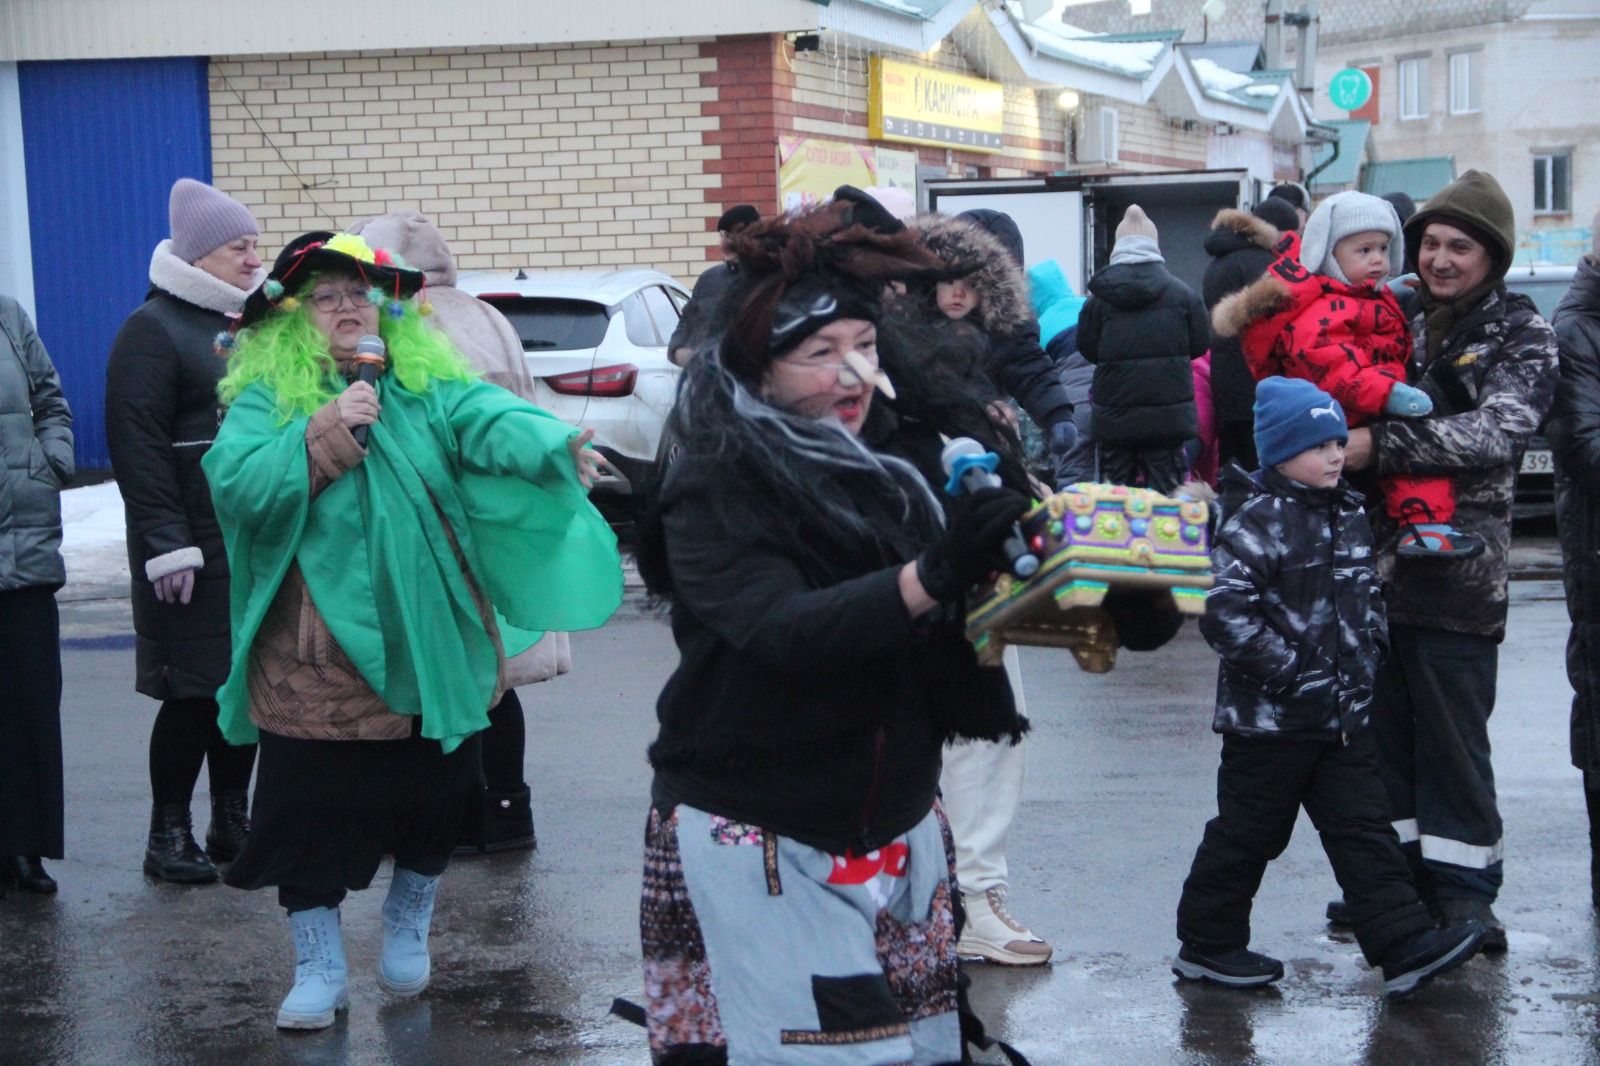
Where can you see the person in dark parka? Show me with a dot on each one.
(1241, 248)
(1574, 434)
(1141, 328)
(161, 416)
(36, 443)
(700, 320)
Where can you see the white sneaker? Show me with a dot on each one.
(993, 935)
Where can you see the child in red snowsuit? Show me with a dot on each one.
(1323, 313)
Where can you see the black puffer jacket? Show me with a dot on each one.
(1574, 433)
(1017, 364)
(1492, 382)
(1141, 328)
(1295, 611)
(807, 700)
(1240, 246)
(161, 416)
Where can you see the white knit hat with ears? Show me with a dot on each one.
(1338, 217)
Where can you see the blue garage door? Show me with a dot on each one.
(103, 143)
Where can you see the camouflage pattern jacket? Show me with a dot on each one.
(1295, 612)
(1492, 383)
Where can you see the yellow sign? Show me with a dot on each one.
(906, 102)
(810, 169)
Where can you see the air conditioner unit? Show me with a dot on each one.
(1099, 141)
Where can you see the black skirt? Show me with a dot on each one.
(30, 723)
(325, 812)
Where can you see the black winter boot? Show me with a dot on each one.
(230, 822)
(506, 824)
(1591, 797)
(172, 854)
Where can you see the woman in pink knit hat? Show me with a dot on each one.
(161, 415)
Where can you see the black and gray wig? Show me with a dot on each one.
(796, 274)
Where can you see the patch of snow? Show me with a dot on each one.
(902, 6)
(1218, 80)
(1263, 90)
(1133, 58)
(93, 536)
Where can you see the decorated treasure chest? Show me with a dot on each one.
(1091, 541)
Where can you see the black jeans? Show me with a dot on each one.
(1430, 715)
(1236, 443)
(1164, 469)
(1261, 786)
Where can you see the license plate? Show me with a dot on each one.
(1537, 462)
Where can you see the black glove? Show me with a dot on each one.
(970, 546)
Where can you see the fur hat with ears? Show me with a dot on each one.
(1340, 216)
(1135, 223)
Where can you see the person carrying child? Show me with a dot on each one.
(1142, 328)
(1327, 317)
(1295, 614)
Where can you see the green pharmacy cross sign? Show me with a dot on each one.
(1350, 89)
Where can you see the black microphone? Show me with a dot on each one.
(970, 467)
(371, 360)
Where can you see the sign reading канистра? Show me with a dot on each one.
(906, 102)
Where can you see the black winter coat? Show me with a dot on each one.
(702, 315)
(1295, 612)
(161, 416)
(1492, 382)
(1240, 246)
(1574, 433)
(806, 699)
(1141, 327)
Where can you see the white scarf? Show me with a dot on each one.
(192, 285)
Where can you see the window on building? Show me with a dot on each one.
(1413, 81)
(1465, 94)
(1552, 182)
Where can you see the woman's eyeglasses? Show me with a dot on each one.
(328, 300)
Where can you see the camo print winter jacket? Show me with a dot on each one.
(1492, 383)
(1295, 612)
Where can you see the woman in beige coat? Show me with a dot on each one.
(491, 345)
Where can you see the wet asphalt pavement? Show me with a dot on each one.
(530, 948)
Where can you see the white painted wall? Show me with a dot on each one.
(109, 29)
(16, 251)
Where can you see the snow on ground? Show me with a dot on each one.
(93, 538)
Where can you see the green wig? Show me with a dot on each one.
(288, 355)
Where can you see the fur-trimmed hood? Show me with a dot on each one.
(999, 280)
(1261, 298)
(192, 285)
(1233, 229)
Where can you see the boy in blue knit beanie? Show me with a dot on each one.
(1295, 613)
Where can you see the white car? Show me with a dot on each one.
(596, 345)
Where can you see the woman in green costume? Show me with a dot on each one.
(378, 588)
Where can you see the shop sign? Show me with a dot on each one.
(898, 169)
(921, 105)
(809, 169)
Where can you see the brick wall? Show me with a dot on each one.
(541, 157)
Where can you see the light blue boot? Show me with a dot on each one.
(407, 913)
(320, 973)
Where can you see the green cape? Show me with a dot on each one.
(375, 555)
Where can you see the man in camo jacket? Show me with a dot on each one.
(1489, 362)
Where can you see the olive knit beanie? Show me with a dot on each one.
(1475, 204)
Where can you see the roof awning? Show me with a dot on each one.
(1417, 178)
(1345, 170)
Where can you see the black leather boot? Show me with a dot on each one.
(172, 854)
(25, 873)
(230, 823)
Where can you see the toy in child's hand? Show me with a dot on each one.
(971, 467)
(1407, 402)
